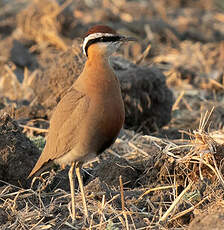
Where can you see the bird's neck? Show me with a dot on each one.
(97, 60)
(98, 68)
(97, 72)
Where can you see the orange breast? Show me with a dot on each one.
(112, 122)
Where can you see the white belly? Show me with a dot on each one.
(74, 156)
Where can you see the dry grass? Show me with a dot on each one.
(39, 22)
(195, 160)
(11, 87)
(176, 178)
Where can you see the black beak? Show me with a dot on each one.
(127, 39)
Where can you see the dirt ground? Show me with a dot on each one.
(168, 159)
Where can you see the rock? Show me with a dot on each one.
(20, 55)
(146, 97)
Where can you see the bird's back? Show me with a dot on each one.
(87, 120)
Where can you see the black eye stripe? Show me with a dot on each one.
(101, 39)
(109, 39)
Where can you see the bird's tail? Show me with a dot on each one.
(37, 170)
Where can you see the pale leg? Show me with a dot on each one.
(77, 170)
(72, 188)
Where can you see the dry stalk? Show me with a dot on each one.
(214, 82)
(123, 203)
(180, 97)
(205, 147)
(102, 218)
(35, 225)
(188, 210)
(39, 22)
(61, 8)
(138, 149)
(106, 222)
(132, 219)
(20, 90)
(70, 225)
(155, 189)
(175, 202)
(143, 55)
(202, 148)
(39, 130)
(187, 105)
(217, 173)
(122, 194)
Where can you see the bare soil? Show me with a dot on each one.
(169, 157)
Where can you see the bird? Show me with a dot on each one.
(88, 119)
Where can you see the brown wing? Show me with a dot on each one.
(62, 135)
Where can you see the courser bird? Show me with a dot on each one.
(90, 116)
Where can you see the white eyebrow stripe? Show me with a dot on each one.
(93, 36)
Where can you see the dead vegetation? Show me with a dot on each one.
(169, 179)
(149, 183)
(39, 22)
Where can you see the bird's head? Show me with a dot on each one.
(104, 40)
